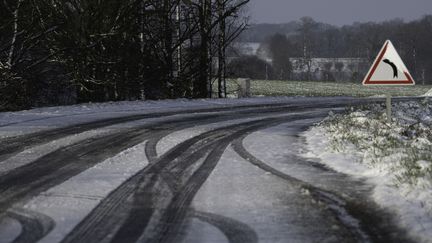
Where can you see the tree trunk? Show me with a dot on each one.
(202, 86)
(221, 51)
(168, 35)
(15, 34)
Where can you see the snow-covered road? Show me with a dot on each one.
(185, 171)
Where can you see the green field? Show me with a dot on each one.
(308, 88)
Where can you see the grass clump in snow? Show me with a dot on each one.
(403, 148)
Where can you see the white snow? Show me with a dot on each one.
(80, 194)
(68, 203)
(203, 232)
(34, 153)
(168, 142)
(243, 192)
(9, 229)
(28, 121)
(31, 154)
(429, 93)
(362, 151)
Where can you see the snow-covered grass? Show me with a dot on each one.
(404, 147)
(396, 157)
(307, 88)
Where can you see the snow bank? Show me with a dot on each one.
(397, 159)
(429, 93)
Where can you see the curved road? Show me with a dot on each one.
(207, 186)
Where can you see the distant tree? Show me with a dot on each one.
(330, 41)
(250, 67)
(339, 66)
(307, 32)
(327, 71)
(307, 28)
(280, 49)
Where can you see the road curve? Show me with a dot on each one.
(157, 203)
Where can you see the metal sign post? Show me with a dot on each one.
(389, 108)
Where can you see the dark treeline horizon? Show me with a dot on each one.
(55, 52)
(308, 39)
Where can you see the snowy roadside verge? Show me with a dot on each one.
(397, 159)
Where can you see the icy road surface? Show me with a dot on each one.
(182, 171)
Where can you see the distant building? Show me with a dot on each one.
(329, 69)
(249, 48)
(320, 69)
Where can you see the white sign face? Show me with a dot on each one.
(388, 69)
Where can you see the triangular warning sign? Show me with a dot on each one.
(388, 69)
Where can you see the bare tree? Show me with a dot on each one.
(308, 26)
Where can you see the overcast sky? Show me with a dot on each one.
(337, 12)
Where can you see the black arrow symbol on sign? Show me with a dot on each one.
(395, 71)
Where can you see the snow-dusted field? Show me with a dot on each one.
(305, 88)
(396, 158)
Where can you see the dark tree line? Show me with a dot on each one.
(66, 51)
(308, 39)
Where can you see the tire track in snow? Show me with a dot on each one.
(280, 109)
(13, 145)
(174, 215)
(335, 203)
(24, 182)
(147, 191)
(162, 129)
(10, 146)
(152, 198)
(39, 151)
(55, 179)
(34, 225)
(151, 145)
(174, 110)
(235, 231)
(36, 232)
(34, 153)
(361, 220)
(136, 111)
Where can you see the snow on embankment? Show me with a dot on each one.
(429, 93)
(397, 158)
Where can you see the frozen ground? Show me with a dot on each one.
(22, 122)
(396, 158)
(172, 171)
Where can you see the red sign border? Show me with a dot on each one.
(367, 81)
